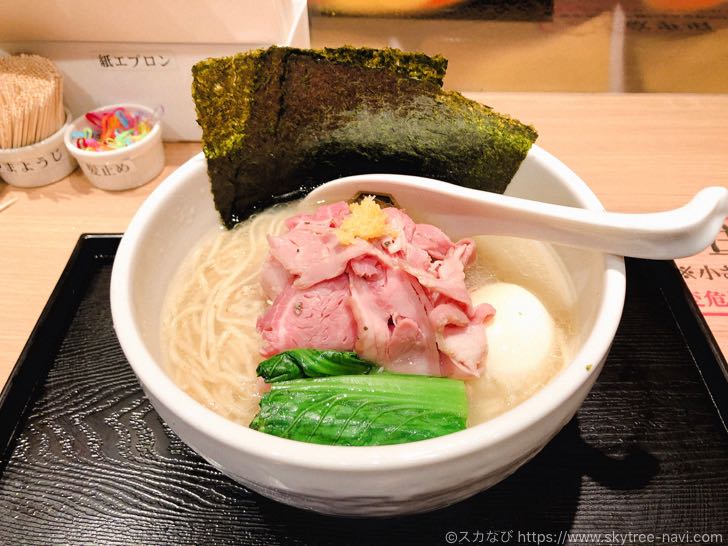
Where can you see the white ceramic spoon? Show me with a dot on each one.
(462, 212)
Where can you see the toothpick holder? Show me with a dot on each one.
(38, 164)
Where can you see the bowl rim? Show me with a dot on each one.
(586, 362)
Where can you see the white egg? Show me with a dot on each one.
(521, 335)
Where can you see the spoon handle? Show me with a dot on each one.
(463, 212)
(677, 233)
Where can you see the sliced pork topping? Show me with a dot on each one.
(393, 326)
(460, 337)
(398, 299)
(318, 317)
(312, 256)
(403, 227)
(326, 216)
(274, 278)
(432, 240)
(367, 266)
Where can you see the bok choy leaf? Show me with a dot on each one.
(299, 363)
(363, 410)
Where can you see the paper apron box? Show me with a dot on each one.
(143, 51)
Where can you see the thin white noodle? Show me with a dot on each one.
(208, 326)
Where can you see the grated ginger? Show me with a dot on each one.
(367, 221)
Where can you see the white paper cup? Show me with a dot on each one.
(124, 168)
(38, 164)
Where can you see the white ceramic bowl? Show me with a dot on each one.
(125, 168)
(360, 481)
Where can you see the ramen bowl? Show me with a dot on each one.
(357, 481)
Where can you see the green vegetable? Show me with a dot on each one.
(363, 410)
(280, 121)
(299, 363)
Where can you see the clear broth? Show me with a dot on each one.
(211, 347)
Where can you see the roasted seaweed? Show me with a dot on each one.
(278, 122)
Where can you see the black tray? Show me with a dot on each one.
(87, 459)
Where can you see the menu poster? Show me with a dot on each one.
(706, 275)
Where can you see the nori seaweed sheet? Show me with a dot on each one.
(278, 122)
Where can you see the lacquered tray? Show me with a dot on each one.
(87, 460)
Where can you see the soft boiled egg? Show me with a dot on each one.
(521, 336)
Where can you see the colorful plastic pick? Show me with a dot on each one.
(112, 129)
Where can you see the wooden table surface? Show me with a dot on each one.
(639, 153)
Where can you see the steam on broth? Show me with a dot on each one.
(211, 346)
